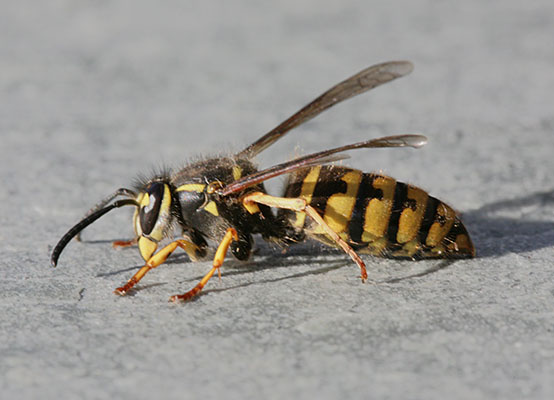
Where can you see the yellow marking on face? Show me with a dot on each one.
(306, 192)
(136, 224)
(211, 208)
(377, 213)
(144, 201)
(340, 205)
(437, 232)
(410, 220)
(237, 172)
(191, 187)
(164, 213)
(146, 247)
(158, 231)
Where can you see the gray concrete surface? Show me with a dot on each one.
(93, 93)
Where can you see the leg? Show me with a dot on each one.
(124, 243)
(299, 204)
(155, 261)
(230, 235)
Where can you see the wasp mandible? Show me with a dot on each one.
(224, 200)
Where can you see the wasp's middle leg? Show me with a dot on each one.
(230, 236)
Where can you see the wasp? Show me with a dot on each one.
(223, 200)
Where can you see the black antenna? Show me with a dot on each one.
(83, 224)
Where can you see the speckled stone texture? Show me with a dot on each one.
(94, 93)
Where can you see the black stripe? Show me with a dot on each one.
(328, 184)
(457, 229)
(428, 218)
(296, 180)
(400, 197)
(292, 190)
(366, 192)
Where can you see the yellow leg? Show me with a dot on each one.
(230, 235)
(299, 205)
(155, 261)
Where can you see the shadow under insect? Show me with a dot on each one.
(517, 225)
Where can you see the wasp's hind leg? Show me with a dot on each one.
(300, 205)
(158, 259)
(230, 236)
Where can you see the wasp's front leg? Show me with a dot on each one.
(156, 260)
(230, 236)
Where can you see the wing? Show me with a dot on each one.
(359, 83)
(322, 157)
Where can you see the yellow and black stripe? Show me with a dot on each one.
(376, 214)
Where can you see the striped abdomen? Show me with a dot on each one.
(376, 214)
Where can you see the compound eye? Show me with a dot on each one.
(150, 207)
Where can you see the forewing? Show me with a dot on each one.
(322, 157)
(361, 82)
